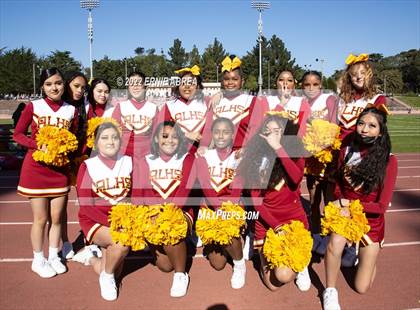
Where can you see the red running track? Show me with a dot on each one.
(397, 284)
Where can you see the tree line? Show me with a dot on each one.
(394, 74)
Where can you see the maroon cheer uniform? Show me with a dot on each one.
(163, 179)
(38, 179)
(349, 112)
(375, 203)
(137, 120)
(101, 183)
(281, 204)
(190, 115)
(237, 108)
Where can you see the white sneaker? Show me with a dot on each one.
(96, 251)
(238, 277)
(67, 250)
(303, 281)
(83, 256)
(43, 268)
(330, 299)
(108, 287)
(179, 284)
(57, 265)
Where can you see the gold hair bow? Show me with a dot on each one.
(352, 59)
(195, 70)
(380, 107)
(282, 114)
(229, 64)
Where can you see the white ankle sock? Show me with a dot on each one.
(240, 262)
(52, 253)
(107, 275)
(38, 256)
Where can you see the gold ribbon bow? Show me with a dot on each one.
(380, 107)
(229, 64)
(352, 59)
(195, 70)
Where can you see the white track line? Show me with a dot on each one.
(27, 201)
(402, 210)
(407, 190)
(24, 260)
(408, 167)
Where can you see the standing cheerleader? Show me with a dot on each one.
(189, 109)
(273, 179)
(103, 181)
(323, 106)
(368, 172)
(162, 178)
(45, 186)
(286, 100)
(98, 97)
(74, 93)
(234, 103)
(137, 117)
(357, 91)
(215, 172)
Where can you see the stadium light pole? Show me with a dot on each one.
(260, 6)
(89, 5)
(322, 67)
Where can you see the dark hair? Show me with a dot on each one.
(92, 87)
(102, 127)
(47, 73)
(223, 120)
(182, 147)
(143, 79)
(307, 73)
(286, 70)
(258, 149)
(369, 173)
(79, 104)
(198, 94)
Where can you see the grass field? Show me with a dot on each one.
(412, 101)
(404, 131)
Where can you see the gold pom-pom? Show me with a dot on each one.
(59, 142)
(352, 228)
(291, 247)
(221, 226)
(166, 225)
(126, 225)
(94, 123)
(321, 138)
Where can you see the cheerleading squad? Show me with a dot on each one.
(150, 172)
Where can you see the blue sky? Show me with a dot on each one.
(326, 30)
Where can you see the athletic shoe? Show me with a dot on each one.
(303, 281)
(57, 265)
(108, 287)
(179, 284)
(96, 251)
(67, 250)
(43, 268)
(330, 299)
(238, 277)
(84, 256)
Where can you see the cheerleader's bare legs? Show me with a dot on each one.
(45, 209)
(274, 278)
(109, 266)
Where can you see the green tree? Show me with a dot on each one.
(139, 50)
(251, 83)
(16, 71)
(63, 61)
(110, 70)
(194, 57)
(211, 61)
(178, 56)
(275, 58)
